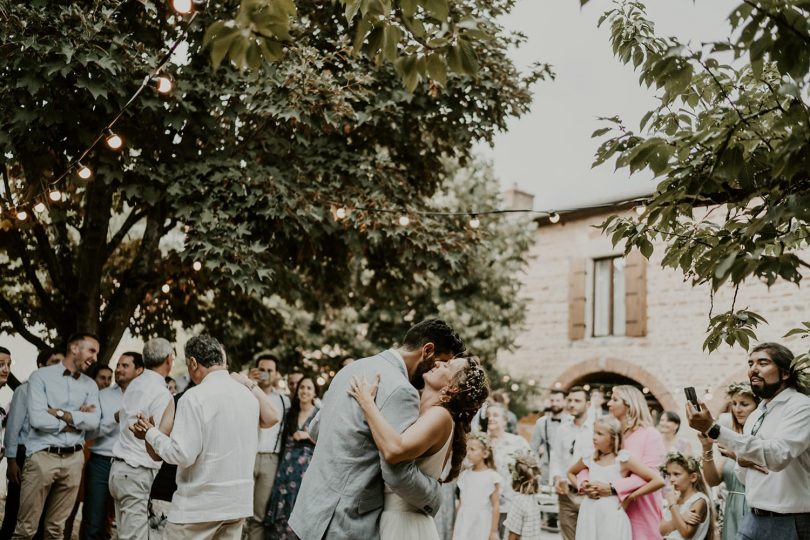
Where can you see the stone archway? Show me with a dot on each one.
(632, 371)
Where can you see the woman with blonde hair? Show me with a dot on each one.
(645, 444)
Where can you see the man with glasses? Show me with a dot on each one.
(133, 470)
(265, 374)
(776, 437)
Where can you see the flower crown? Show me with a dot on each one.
(689, 463)
(528, 464)
(739, 388)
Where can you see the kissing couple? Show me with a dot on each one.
(381, 447)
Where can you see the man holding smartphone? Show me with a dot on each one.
(265, 373)
(776, 436)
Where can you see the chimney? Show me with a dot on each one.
(515, 199)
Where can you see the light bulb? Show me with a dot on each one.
(475, 223)
(166, 288)
(532, 382)
(506, 378)
(645, 390)
(84, 171)
(554, 217)
(55, 195)
(340, 213)
(197, 266)
(404, 221)
(182, 6)
(640, 209)
(515, 387)
(114, 141)
(558, 384)
(164, 84)
(39, 207)
(321, 381)
(22, 215)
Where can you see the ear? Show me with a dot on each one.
(428, 348)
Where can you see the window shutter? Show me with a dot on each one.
(576, 299)
(635, 294)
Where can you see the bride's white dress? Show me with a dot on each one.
(400, 520)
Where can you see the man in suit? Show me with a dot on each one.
(341, 495)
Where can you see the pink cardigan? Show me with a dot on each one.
(646, 445)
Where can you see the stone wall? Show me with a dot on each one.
(670, 356)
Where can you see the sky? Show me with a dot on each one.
(549, 151)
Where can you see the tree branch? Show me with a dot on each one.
(133, 218)
(48, 307)
(48, 256)
(19, 324)
(780, 20)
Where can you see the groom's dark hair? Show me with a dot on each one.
(436, 331)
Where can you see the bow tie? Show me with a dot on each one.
(556, 419)
(67, 373)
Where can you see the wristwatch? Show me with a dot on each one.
(713, 431)
(60, 414)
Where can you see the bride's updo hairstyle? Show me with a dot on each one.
(463, 397)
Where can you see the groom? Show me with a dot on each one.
(341, 495)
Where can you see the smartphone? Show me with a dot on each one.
(264, 376)
(691, 396)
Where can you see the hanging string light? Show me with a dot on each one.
(475, 222)
(183, 7)
(22, 215)
(197, 266)
(640, 209)
(404, 220)
(83, 171)
(55, 195)
(39, 207)
(114, 141)
(341, 213)
(554, 217)
(165, 288)
(164, 84)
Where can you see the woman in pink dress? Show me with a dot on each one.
(645, 444)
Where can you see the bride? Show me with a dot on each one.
(454, 391)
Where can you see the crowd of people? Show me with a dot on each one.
(401, 437)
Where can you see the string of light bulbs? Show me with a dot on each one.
(163, 84)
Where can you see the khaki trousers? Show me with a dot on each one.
(264, 476)
(569, 511)
(50, 484)
(130, 487)
(210, 530)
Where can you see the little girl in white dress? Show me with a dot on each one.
(478, 486)
(605, 517)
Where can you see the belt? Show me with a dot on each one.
(64, 450)
(767, 513)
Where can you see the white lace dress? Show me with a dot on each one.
(400, 520)
(603, 518)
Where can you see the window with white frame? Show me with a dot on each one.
(608, 297)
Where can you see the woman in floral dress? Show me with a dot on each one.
(297, 453)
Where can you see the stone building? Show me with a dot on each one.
(597, 318)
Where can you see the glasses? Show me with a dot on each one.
(758, 424)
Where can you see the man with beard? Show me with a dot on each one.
(62, 407)
(574, 441)
(341, 495)
(776, 437)
(544, 435)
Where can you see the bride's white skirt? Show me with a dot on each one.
(401, 521)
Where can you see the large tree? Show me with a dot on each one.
(239, 174)
(729, 144)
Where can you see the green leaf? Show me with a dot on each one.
(437, 69)
(438, 9)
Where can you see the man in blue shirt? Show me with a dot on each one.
(62, 406)
(17, 429)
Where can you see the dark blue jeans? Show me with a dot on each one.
(787, 527)
(96, 497)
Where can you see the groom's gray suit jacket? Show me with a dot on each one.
(341, 495)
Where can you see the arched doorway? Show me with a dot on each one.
(610, 372)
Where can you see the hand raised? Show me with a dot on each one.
(362, 391)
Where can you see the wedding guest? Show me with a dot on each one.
(668, 426)
(213, 442)
(545, 431)
(776, 437)
(98, 502)
(502, 398)
(171, 384)
(597, 405)
(505, 449)
(719, 469)
(523, 521)
(479, 493)
(62, 407)
(133, 470)
(628, 405)
(14, 439)
(297, 453)
(293, 378)
(574, 441)
(605, 517)
(265, 374)
(690, 512)
(103, 377)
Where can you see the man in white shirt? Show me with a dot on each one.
(133, 469)
(97, 498)
(265, 374)
(574, 440)
(213, 442)
(545, 431)
(776, 436)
